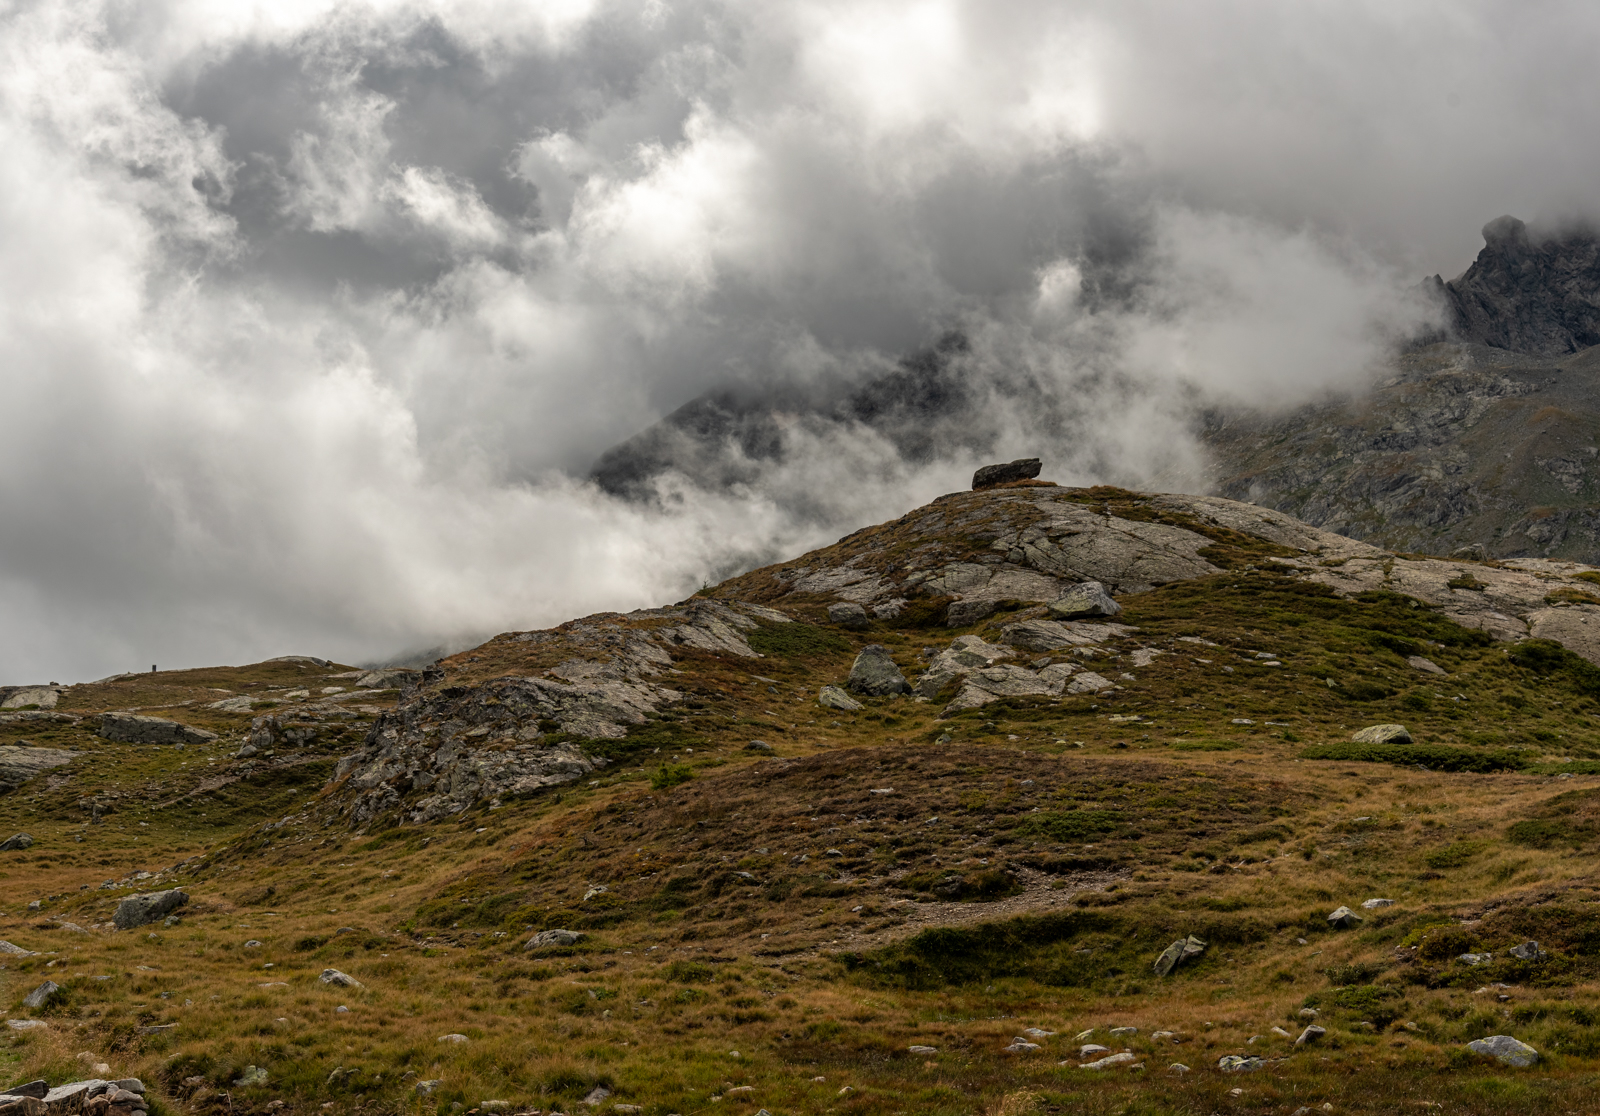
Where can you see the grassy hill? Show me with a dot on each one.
(777, 928)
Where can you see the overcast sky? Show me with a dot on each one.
(313, 316)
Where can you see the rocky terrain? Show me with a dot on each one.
(1035, 799)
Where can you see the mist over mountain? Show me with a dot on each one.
(316, 320)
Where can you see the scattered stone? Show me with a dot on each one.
(848, 614)
(1024, 468)
(758, 746)
(1157, 1036)
(1343, 919)
(1090, 1049)
(1178, 1068)
(341, 1010)
(1507, 1050)
(148, 907)
(35, 1089)
(1374, 904)
(135, 728)
(875, 674)
(41, 995)
(25, 1024)
(15, 950)
(600, 1093)
(337, 979)
(1383, 734)
(926, 1051)
(455, 1039)
(1427, 666)
(1084, 601)
(252, 944)
(1238, 1063)
(832, 697)
(1311, 1034)
(1527, 951)
(427, 1088)
(548, 939)
(962, 613)
(1184, 949)
(1021, 1045)
(1309, 1013)
(1475, 959)
(1038, 1032)
(16, 842)
(252, 1075)
(1281, 1033)
(1124, 1032)
(21, 762)
(631, 1109)
(1113, 1060)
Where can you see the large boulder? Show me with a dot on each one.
(832, 697)
(37, 697)
(962, 613)
(1383, 734)
(16, 842)
(135, 728)
(1177, 953)
(41, 995)
(1343, 919)
(875, 674)
(1083, 602)
(1505, 1049)
(1024, 468)
(151, 906)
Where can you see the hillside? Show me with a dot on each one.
(781, 897)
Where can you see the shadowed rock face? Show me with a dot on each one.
(1538, 298)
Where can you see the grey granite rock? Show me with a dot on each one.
(1382, 734)
(849, 615)
(1087, 601)
(151, 906)
(135, 728)
(1024, 468)
(1505, 1049)
(874, 673)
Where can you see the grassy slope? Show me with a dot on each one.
(1070, 848)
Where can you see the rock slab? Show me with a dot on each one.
(832, 697)
(16, 842)
(1024, 468)
(135, 728)
(848, 614)
(1083, 602)
(547, 939)
(1184, 949)
(42, 995)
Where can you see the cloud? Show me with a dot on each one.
(312, 314)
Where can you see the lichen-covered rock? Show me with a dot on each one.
(832, 697)
(1505, 1049)
(16, 842)
(135, 728)
(848, 614)
(1180, 951)
(548, 939)
(1085, 602)
(39, 697)
(1383, 734)
(42, 995)
(151, 906)
(1343, 918)
(875, 674)
(338, 979)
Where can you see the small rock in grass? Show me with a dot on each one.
(1238, 1063)
(1037, 1032)
(1309, 1013)
(1178, 1068)
(16, 843)
(1475, 958)
(1382, 734)
(848, 614)
(341, 1010)
(426, 1088)
(1343, 919)
(1021, 1046)
(874, 673)
(41, 995)
(252, 1075)
(926, 1051)
(1311, 1034)
(252, 944)
(1509, 1051)
(1374, 904)
(1111, 1061)
(547, 939)
(758, 746)
(1089, 1049)
(1084, 1036)
(1527, 951)
(453, 1038)
(1426, 665)
(342, 980)
(152, 906)
(1281, 1033)
(1124, 1032)
(833, 697)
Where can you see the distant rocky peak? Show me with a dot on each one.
(1529, 292)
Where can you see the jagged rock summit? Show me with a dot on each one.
(1537, 296)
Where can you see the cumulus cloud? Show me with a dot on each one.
(314, 315)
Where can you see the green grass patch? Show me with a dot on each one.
(1205, 745)
(1434, 757)
(1069, 825)
(670, 775)
(795, 640)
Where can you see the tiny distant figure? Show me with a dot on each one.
(152, 668)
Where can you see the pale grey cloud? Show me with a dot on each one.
(311, 312)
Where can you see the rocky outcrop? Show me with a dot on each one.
(135, 728)
(875, 674)
(1529, 294)
(31, 697)
(1025, 468)
(19, 763)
